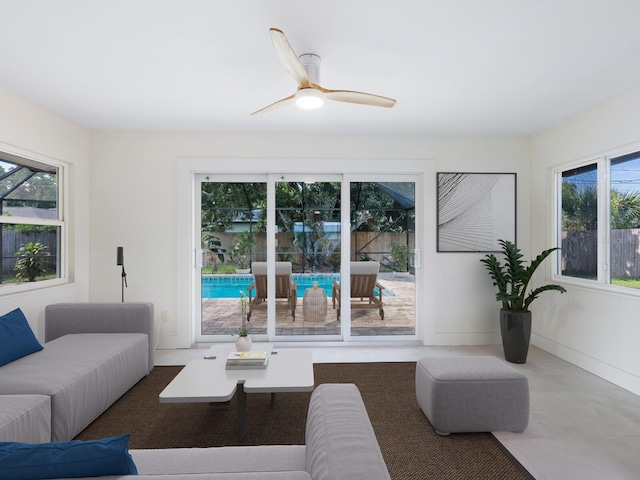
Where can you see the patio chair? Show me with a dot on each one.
(285, 287)
(364, 280)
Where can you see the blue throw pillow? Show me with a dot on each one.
(77, 458)
(16, 337)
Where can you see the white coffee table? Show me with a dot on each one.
(207, 380)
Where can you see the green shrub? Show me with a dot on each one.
(31, 261)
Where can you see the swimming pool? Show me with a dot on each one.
(229, 286)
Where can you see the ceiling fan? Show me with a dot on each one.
(306, 72)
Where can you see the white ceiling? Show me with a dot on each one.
(454, 66)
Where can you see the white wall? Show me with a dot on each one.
(28, 127)
(133, 205)
(595, 329)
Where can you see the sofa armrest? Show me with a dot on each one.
(67, 318)
(340, 441)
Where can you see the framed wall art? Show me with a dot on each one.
(475, 210)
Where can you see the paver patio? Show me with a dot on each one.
(221, 316)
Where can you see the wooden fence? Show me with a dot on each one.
(12, 240)
(580, 252)
(372, 245)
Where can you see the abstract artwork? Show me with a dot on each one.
(475, 210)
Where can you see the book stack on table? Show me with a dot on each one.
(246, 360)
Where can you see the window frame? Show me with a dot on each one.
(12, 154)
(603, 164)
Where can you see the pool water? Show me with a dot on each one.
(229, 286)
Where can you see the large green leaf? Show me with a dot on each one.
(513, 278)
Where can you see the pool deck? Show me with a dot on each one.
(222, 316)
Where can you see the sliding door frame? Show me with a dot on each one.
(181, 334)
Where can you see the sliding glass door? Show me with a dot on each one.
(231, 229)
(382, 229)
(307, 240)
(287, 244)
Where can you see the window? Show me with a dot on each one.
(605, 251)
(31, 224)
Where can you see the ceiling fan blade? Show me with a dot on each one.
(358, 97)
(276, 105)
(288, 58)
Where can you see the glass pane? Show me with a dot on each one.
(30, 253)
(625, 220)
(28, 191)
(233, 220)
(580, 222)
(382, 231)
(308, 238)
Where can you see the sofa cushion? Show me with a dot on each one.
(92, 458)
(218, 476)
(62, 319)
(227, 476)
(338, 432)
(16, 337)
(82, 373)
(262, 460)
(25, 418)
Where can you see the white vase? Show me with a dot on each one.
(243, 344)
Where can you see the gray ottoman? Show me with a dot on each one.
(472, 394)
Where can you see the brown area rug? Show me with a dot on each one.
(410, 446)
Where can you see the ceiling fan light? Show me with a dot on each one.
(309, 98)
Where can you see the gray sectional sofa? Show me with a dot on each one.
(340, 445)
(94, 353)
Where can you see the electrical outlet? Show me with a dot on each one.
(164, 316)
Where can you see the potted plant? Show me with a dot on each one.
(240, 253)
(399, 258)
(30, 263)
(512, 279)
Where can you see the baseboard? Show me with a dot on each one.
(463, 339)
(603, 370)
(169, 342)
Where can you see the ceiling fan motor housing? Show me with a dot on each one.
(311, 64)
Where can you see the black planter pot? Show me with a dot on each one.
(515, 328)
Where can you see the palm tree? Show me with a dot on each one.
(625, 209)
(579, 207)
